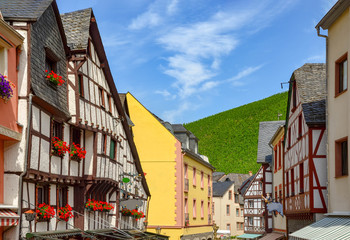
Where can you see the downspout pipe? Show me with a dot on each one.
(327, 148)
(20, 190)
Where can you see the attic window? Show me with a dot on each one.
(51, 60)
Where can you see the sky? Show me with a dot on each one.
(185, 60)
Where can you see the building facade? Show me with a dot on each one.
(305, 169)
(77, 145)
(179, 178)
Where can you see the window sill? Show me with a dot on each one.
(341, 93)
(341, 176)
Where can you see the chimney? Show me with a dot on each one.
(250, 173)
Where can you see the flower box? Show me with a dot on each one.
(65, 213)
(93, 205)
(6, 88)
(59, 147)
(45, 211)
(54, 78)
(76, 152)
(133, 213)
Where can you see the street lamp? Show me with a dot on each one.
(158, 229)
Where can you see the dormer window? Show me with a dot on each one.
(51, 60)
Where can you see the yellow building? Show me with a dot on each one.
(178, 177)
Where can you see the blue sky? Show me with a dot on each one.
(188, 59)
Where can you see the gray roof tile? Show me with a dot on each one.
(243, 188)
(23, 9)
(219, 188)
(266, 131)
(76, 25)
(315, 112)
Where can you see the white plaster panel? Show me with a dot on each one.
(87, 112)
(65, 164)
(84, 68)
(22, 113)
(315, 137)
(71, 196)
(321, 169)
(92, 92)
(322, 150)
(41, 226)
(61, 225)
(31, 190)
(324, 192)
(99, 113)
(19, 24)
(11, 189)
(72, 79)
(56, 165)
(86, 88)
(92, 48)
(71, 101)
(99, 144)
(98, 173)
(12, 233)
(93, 114)
(71, 64)
(80, 169)
(90, 68)
(23, 67)
(89, 136)
(25, 196)
(103, 164)
(34, 153)
(14, 155)
(36, 118)
(103, 120)
(74, 166)
(44, 155)
(317, 200)
(53, 190)
(45, 124)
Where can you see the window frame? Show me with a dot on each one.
(338, 62)
(237, 212)
(194, 180)
(44, 192)
(62, 191)
(81, 85)
(301, 177)
(112, 150)
(340, 170)
(230, 195)
(194, 210)
(228, 210)
(236, 198)
(102, 97)
(202, 180)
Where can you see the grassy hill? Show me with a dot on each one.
(230, 138)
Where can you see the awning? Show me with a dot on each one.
(8, 218)
(272, 236)
(249, 236)
(327, 228)
(54, 234)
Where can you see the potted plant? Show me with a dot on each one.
(65, 213)
(126, 212)
(92, 205)
(45, 211)
(59, 147)
(6, 88)
(137, 214)
(54, 78)
(106, 206)
(77, 152)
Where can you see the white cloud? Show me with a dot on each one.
(172, 7)
(315, 59)
(166, 94)
(245, 72)
(147, 19)
(172, 115)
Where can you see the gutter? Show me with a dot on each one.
(327, 78)
(20, 190)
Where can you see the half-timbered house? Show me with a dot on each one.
(257, 219)
(83, 113)
(305, 171)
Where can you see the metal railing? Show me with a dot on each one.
(209, 219)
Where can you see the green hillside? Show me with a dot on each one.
(230, 138)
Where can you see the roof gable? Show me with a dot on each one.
(23, 10)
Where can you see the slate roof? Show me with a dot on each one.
(266, 131)
(217, 176)
(23, 10)
(243, 188)
(179, 128)
(311, 88)
(76, 25)
(219, 188)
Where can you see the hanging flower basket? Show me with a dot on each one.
(126, 212)
(137, 214)
(93, 205)
(6, 88)
(54, 78)
(65, 213)
(59, 147)
(76, 152)
(45, 211)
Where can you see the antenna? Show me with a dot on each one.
(279, 115)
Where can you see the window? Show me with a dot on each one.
(76, 135)
(341, 74)
(289, 137)
(292, 181)
(194, 209)
(81, 85)
(213, 208)
(341, 157)
(280, 155)
(228, 210)
(186, 206)
(194, 177)
(57, 130)
(202, 180)
(237, 212)
(185, 170)
(287, 183)
(275, 157)
(301, 176)
(103, 142)
(238, 226)
(228, 227)
(230, 195)
(276, 194)
(102, 97)
(110, 103)
(50, 65)
(112, 149)
(251, 204)
(242, 212)
(236, 198)
(202, 209)
(42, 194)
(250, 221)
(62, 196)
(280, 193)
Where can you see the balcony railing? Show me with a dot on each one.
(186, 185)
(209, 219)
(209, 191)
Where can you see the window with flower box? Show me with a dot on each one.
(62, 193)
(42, 194)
